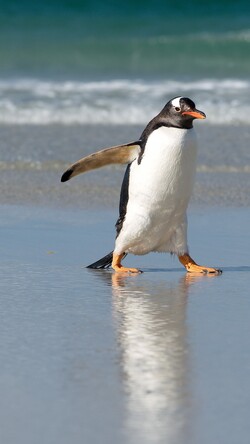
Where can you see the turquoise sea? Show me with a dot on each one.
(119, 62)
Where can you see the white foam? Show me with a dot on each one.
(119, 101)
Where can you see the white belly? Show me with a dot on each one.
(159, 191)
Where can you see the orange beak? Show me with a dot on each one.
(196, 114)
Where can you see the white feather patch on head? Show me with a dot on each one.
(176, 101)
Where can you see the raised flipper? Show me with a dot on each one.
(121, 154)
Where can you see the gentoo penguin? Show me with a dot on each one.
(156, 188)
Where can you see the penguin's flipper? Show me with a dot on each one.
(117, 154)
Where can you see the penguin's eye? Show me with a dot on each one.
(177, 109)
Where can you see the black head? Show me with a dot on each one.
(180, 112)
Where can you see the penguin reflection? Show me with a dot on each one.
(152, 333)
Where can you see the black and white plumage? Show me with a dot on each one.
(156, 188)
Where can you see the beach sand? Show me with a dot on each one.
(33, 159)
(92, 357)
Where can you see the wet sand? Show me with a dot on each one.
(33, 159)
(93, 357)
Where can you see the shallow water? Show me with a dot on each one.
(160, 357)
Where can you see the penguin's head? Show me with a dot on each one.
(181, 111)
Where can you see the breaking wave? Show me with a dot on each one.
(120, 101)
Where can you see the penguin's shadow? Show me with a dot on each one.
(144, 270)
(162, 270)
(241, 268)
(236, 269)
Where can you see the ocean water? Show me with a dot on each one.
(77, 76)
(74, 62)
(119, 101)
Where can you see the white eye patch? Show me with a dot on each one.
(176, 102)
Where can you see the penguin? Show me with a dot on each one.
(156, 187)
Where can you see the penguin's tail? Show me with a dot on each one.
(104, 262)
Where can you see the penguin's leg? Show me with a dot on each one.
(192, 267)
(116, 265)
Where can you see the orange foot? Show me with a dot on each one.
(192, 267)
(116, 265)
